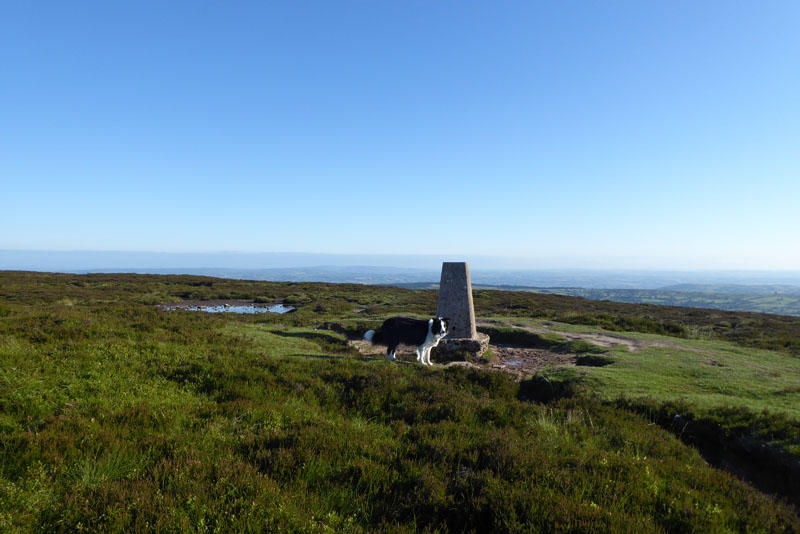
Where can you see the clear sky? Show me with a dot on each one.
(574, 133)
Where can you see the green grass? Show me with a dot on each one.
(707, 372)
(118, 417)
(710, 374)
(704, 377)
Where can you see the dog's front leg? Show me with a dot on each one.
(420, 356)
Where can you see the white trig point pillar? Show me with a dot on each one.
(455, 303)
(455, 299)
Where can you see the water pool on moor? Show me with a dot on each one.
(232, 308)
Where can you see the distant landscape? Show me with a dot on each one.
(776, 292)
(780, 300)
(633, 287)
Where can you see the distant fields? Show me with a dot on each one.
(782, 304)
(785, 301)
(117, 416)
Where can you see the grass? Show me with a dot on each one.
(705, 372)
(704, 377)
(709, 374)
(119, 417)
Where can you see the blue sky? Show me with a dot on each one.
(572, 134)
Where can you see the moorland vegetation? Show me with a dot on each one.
(119, 416)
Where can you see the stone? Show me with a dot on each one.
(474, 345)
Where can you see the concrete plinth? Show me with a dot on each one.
(461, 348)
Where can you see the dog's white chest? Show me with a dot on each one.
(432, 339)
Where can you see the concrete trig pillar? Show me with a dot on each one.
(455, 299)
(455, 303)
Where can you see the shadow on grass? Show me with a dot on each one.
(733, 439)
(311, 336)
(593, 360)
(361, 358)
(326, 342)
(549, 388)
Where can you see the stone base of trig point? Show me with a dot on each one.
(455, 303)
(461, 348)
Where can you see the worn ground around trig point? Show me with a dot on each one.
(524, 362)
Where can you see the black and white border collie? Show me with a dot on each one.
(422, 334)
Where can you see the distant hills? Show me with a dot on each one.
(757, 291)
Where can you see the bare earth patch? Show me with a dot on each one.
(368, 349)
(518, 361)
(524, 362)
(601, 340)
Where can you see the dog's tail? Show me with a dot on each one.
(373, 336)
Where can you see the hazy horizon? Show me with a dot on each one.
(192, 263)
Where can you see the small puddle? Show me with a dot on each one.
(515, 363)
(224, 308)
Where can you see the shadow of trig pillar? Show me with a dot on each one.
(455, 303)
